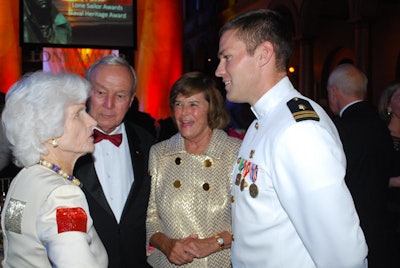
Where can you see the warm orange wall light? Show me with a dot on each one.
(159, 55)
(158, 58)
(10, 52)
(74, 60)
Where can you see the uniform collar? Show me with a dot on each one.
(272, 98)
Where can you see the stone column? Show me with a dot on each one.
(306, 66)
(362, 48)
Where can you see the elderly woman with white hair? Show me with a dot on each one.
(45, 219)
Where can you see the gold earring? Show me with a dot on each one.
(54, 143)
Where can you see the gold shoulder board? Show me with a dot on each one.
(302, 110)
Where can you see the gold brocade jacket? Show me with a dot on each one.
(190, 194)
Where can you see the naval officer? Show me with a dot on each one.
(290, 204)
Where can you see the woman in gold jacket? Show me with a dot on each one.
(189, 216)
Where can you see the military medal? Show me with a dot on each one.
(246, 169)
(253, 175)
(243, 184)
(252, 152)
(238, 178)
(253, 190)
(240, 163)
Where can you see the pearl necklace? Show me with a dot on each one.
(61, 172)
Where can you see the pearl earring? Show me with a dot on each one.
(54, 143)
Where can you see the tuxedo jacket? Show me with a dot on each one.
(368, 148)
(124, 241)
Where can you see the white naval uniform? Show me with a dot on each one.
(303, 215)
(30, 229)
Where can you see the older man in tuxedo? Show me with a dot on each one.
(115, 178)
(368, 148)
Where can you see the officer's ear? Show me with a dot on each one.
(264, 53)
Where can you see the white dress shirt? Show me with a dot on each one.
(114, 169)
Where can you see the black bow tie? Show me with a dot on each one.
(116, 139)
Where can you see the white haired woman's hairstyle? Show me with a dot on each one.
(34, 111)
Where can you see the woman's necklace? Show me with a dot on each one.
(61, 172)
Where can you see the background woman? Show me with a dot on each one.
(45, 220)
(389, 110)
(188, 217)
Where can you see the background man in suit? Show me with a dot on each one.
(115, 176)
(368, 147)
